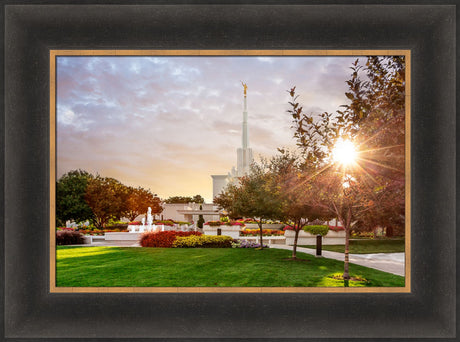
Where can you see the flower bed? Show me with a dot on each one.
(246, 244)
(213, 223)
(220, 223)
(101, 231)
(233, 231)
(336, 229)
(331, 228)
(254, 225)
(265, 232)
(162, 239)
(169, 223)
(203, 241)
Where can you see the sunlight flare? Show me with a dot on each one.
(344, 152)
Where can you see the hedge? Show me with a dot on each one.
(316, 229)
(68, 237)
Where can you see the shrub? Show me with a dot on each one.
(224, 219)
(316, 230)
(213, 223)
(135, 223)
(181, 222)
(336, 229)
(162, 239)
(116, 226)
(203, 241)
(200, 221)
(368, 235)
(97, 231)
(67, 237)
(168, 223)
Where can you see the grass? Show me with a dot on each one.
(171, 267)
(367, 246)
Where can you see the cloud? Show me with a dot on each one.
(168, 123)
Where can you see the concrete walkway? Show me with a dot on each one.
(386, 262)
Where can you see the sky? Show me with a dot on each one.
(168, 123)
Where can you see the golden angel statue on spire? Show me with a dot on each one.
(245, 86)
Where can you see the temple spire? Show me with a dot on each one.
(245, 138)
(244, 153)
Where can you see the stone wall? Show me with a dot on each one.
(332, 238)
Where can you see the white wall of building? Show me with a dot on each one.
(219, 182)
(170, 211)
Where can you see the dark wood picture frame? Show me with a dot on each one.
(32, 311)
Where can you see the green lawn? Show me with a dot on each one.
(171, 267)
(368, 246)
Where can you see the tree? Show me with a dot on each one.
(374, 121)
(70, 197)
(226, 199)
(185, 199)
(255, 196)
(200, 221)
(107, 198)
(375, 118)
(291, 175)
(342, 196)
(139, 200)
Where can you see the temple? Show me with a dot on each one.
(244, 155)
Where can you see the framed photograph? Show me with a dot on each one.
(166, 126)
(183, 92)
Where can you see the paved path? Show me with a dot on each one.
(387, 262)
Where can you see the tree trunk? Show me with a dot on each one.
(133, 216)
(99, 224)
(389, 231)
(294, 248)
(346, 274)
(261, 234)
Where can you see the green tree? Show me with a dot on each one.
(226, 200)
(290, 175)
(70, 197)
(255, 196)
(107, 198)
(139, 200)
(200, 221)
(197, 199)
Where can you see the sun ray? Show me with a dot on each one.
(380, 148)
(306, 180)
(382, 165)
(367, 173)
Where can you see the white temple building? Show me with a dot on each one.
(244, 156)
